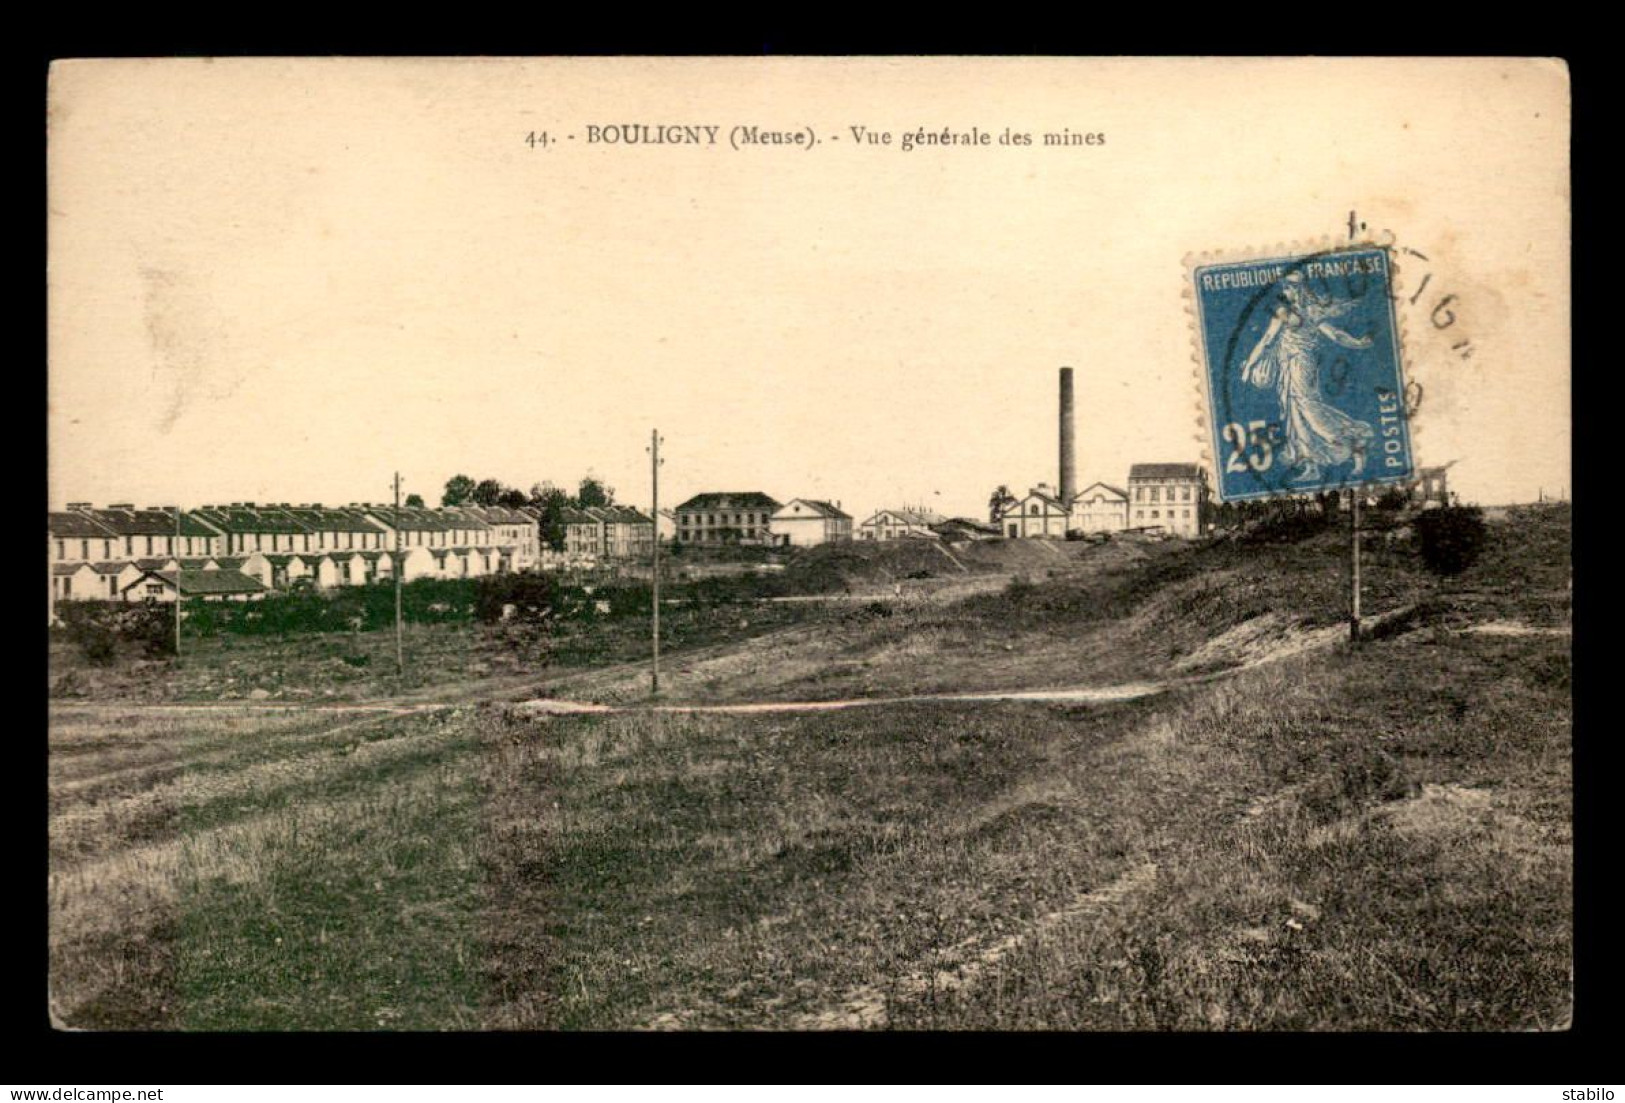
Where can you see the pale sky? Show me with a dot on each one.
(278, 280)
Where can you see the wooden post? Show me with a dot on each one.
(400, 652)
(1354, 564)
(654, 469)
(180, 568)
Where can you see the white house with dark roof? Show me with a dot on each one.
(583, 533)
(246, 528)
(1039, 513)
(899, 524)
(805, 522)
(513, 536)
(1169, 496)
(76, 582)
(1100, 507)
(216, 585)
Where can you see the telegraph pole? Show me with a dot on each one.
(1355, 495)
(400, 570)
(180, 568)
(654, 471)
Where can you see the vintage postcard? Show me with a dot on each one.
(809, 544)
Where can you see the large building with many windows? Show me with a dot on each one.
(1170, 496)
(733, 517)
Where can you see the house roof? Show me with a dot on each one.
(230, 562)
(110, 567)
(124, 521)
(572, 516)
(498, 515)
(62, 569)
(409, 519)
(624, 515)
(818, 508)
(76, 523)
(969, 523)
(207, 582)
(154, 564)
(458, 517)
(909, 516)
(1119, 491)
(245, 518)
(323, 519)
(732, 499)
(1164, 471)
(1042, 496)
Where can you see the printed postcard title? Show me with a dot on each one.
(741, 137)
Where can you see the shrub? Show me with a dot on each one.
(1450, 539)
(97, 643)
(531, 595)
(1392, 500)
(98, 628)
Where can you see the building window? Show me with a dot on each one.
(107, 549)
(1187, 515)
(258, 544)
(84, 549)
(1139, 493)
(129, 545)
(1155, 514)
(149, 545)
(155, 589)
(1156, 494)
(1187, 494)
(62, 549)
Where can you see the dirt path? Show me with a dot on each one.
(1090, 695)
(865, 1006)
(1517, 628)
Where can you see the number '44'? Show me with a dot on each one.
(1251, 446)
(536, 138)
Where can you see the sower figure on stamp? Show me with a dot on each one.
(1286, 358)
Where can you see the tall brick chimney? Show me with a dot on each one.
(1069, 475)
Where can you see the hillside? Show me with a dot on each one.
(1292, 834)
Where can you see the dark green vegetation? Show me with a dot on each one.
(1322, 837)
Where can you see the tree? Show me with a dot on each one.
(459, 489)
(552, 502)
(998, 501)
(594, 492)
(512, 497)
(487, 492)
(414, 501)
(1393, 500)
(1450, 538)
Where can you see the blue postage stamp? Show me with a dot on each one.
(1301, 360)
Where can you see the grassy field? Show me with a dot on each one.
(1294, 834)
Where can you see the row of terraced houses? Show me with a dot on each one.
(241, 550)
(245, 548)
